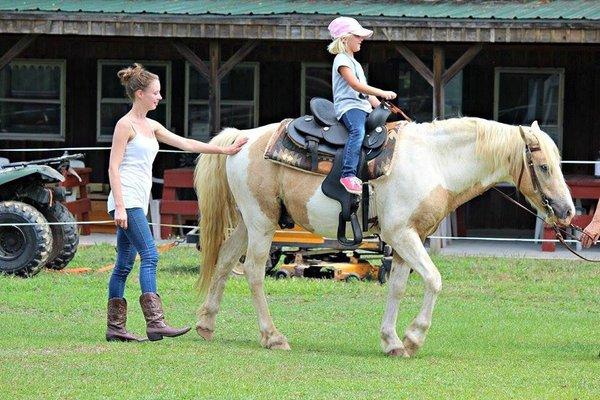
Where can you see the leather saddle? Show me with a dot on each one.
(322, 135)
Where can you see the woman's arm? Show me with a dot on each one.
(592, 231)
(163, 135)
(357, 85)
(121, 136)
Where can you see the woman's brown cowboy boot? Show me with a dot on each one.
(116, 317)
(156, 327)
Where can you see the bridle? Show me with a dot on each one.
(528, 160)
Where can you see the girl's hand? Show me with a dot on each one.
(121, 217)
(236, 146)
(388, 95)
(590, 234)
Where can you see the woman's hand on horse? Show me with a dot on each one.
(236, 146)
(590, 234)
(121, 218)
(388, 95)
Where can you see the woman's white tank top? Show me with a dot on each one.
(136, 172)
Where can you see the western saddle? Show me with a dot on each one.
(323, 136)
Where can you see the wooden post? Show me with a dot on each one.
(16, 49)
(439, 60)
(214, 92)
(214, 73)
(438, 78)
(192, 58)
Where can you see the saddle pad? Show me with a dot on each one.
(282, 150)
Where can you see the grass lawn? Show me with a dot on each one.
(502, 328)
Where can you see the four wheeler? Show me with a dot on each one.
(30, 198)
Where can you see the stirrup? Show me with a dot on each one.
(356, 231)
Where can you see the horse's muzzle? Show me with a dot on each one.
(564, 212)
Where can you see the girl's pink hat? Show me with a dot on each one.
(344, 25)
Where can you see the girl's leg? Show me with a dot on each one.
(354, 120)
(125, 259)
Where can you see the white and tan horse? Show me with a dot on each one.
(439, 166)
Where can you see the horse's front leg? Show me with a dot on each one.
(231, 251)
(390, 342)
(259, 245)
(411, 249)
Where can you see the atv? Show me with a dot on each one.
(30, 198)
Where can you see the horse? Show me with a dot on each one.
(439, 166)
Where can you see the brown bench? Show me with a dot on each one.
(82, 206)
(170, 205)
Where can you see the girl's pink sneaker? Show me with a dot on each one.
(352, 184)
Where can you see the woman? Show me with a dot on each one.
(134, 147)
(353, 98)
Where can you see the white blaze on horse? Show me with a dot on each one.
(439, 166)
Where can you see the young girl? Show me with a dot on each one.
(353, 99)
(134, 147)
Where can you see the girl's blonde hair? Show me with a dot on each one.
(135, 78)
(338, 45)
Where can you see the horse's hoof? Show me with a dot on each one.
(399, 352)
(280, 346)
(206, 334)
(410, 347)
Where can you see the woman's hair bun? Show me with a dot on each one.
(134, 78)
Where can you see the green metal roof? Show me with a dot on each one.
(466, 9)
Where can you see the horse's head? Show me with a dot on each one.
(540, 177)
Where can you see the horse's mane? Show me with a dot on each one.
(498, 142)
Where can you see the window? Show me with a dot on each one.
(415, 94)
(32, 100)
(524, 95)
(239, 100)
(316, 82)
(113, 103)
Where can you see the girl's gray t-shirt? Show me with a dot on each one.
(344, 97)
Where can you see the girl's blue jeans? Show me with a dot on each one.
(135, 239)
(354, 119)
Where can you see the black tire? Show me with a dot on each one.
(24, 250)
(384, 270)
(65, 238)
(272, 261)
(282, 275)
(352, 278)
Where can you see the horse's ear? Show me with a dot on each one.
(523, 134)
(535, 126)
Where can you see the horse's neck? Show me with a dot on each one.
(460, 167)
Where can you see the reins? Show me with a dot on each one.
(545, 202)
(396, 110)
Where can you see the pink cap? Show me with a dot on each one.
(344, 25)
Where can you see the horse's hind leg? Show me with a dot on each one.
(259, 246)
(390, 342)
(411, 249)
(231, 251)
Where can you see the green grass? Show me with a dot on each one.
(502, 328)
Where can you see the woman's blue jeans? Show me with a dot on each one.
(354, 119)
(135, 239)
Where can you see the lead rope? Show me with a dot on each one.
(557, 230)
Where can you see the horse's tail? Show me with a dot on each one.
(216, 203)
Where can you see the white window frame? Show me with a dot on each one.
(304, 66)
(255, 101)
(124, 100)
(533, 70)
(55, 137)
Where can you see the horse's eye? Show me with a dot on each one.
(544, 168)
